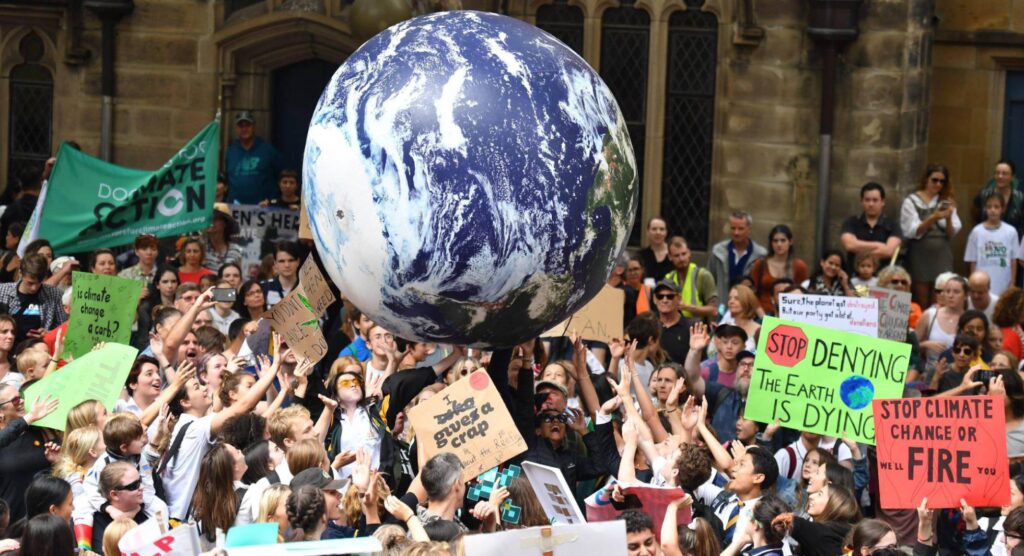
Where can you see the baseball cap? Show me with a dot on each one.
(669, 284)
(555, 385)
(244, 116)
(318, 478)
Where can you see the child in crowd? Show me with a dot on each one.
(865, 265)
(992, 247)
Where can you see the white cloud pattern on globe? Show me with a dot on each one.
(469, 179)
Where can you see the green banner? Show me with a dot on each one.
(97, 375)
(102, 310)
(91, 203)
(821, 380)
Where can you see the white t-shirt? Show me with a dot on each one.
(359, 433)
(994, 252)
(782, 457)
(182, 474)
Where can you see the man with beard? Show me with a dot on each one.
(725, 404)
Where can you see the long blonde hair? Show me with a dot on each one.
(82, 415)
(113, 533)
(75, 456)
(269, 502)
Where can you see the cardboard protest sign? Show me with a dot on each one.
(150, 538)
(554, 494)
(607, 538)
(293, 319)
(654, 499)
(942, 448)
(599, 320)
(468, 419)
(102, 310)
(820, 380)
(304, 230)
(893, 313)
(314, 287)
(97, 375)
(849, 314)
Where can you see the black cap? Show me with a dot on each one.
(318, 478)
(666, 284)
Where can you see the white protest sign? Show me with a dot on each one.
(554, 494)
(148, 539)
(893, 313)
(607, 538)
(849, 314)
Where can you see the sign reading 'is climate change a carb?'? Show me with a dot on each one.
(821, 380)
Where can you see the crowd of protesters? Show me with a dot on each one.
(210, 433)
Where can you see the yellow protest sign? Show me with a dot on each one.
(468, 419)
(600, 319)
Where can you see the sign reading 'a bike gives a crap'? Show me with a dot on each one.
(90, 203)
(820, 380)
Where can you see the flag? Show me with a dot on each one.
(90, 203)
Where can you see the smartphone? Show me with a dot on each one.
(985, 376)
(224, 294)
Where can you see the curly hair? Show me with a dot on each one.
(1009, 309)
(306, 506)
(693, 467)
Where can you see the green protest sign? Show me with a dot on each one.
(821, 380)
(91, 203)
(102, 310)
(97, 375)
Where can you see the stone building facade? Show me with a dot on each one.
(722, 96)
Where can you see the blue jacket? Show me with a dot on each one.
(252, 174)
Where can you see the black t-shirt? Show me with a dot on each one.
(30, 316)
(652, 268)
(675, 340)
(881, 232)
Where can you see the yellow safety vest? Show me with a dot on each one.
(688, 288)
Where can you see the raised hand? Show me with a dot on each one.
(853, 446)
(329, 403)
(397, 508)
(968, 382)
(996, 387)
(186, 371)
(577, 422)
(970, 516)
(51, 451)
(616, 348)
(699, 337)
(673, 396)
(156, 343)
(630, 433)
(41, 408)
(344, 458)
(235, 364)
(608, 407)
(361, 473)
(691, 414)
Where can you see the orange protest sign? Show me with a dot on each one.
(943, 449)
(469, 419)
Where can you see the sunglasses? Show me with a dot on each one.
(349, 382)
(549, 418)
(134, 485)
(938, 180)
(13, 400)
(963, 350)
(664, 296)
(900, 282)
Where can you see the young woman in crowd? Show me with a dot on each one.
(938, 325)
(781, 263)
(219, 245)
(929, 221)
(654, 258)
(250, 302)
(831, 278)
(192, 262)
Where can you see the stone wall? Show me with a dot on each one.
(165, 83)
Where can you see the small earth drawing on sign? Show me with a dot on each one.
(856, 392)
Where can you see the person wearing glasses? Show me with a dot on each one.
(929, 221)
(121, 487)
(26, 450)
(675, 329)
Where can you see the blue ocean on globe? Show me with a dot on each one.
(468, 179)
(856, 392)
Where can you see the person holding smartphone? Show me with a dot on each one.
(929, 221)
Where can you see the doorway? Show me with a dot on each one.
(295, 90)
(1013, 124)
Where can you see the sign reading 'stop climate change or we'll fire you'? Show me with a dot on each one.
(822, 380)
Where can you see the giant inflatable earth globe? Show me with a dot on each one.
(468, 179)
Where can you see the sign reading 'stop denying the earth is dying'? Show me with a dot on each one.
(821, 380)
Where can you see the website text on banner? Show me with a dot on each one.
(822, 380)
(942, 449)
(92, 203)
